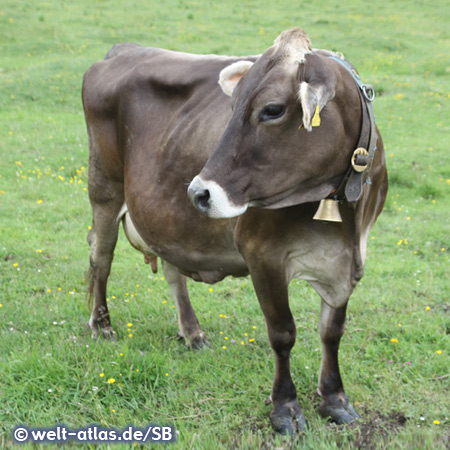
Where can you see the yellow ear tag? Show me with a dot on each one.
(315, 122)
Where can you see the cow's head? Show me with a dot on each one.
(296, 119)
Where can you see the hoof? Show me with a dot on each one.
(199, 342)
(288, 420)
(289, 425)
(339, 410)
(107, 333)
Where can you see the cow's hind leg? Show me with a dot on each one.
(334, 403)
(189, 328)
(102, 238)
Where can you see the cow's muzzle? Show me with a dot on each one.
(212, 200)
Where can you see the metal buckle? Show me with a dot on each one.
(368, 91)
(358, 167)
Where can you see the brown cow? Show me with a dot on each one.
(259, 164)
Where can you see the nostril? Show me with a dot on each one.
(201, 199)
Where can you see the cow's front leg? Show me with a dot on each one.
(272, 292)
(189, 328)
(334, 403)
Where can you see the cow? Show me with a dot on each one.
(256, 144)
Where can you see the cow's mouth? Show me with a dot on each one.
(212, 200)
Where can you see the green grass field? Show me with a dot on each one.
(395, 354)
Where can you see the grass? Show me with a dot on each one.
(51, 369)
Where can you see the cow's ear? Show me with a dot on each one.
(230, 75)
(313, 99)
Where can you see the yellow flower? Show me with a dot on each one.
(1, 306)
(102, 375)
(251, 340)
(210, 289)
(166, 374)
(242, 343)
(39, 202)
(129, 324)
(224, 347)
(120, 354)
(427, 308)
(111, 381)
(130, 335)
(439, 352)
(436, 422)
(394, 340)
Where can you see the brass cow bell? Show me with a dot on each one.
(328, 211)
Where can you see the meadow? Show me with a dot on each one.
(395, 355)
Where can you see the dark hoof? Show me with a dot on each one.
(107, 333)
(288, 420)
(339, 410)
(289, 425)
(199, 342)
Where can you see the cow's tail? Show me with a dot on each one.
(89, 277)
(89, 280)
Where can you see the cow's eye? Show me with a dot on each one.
(271, 112)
